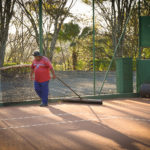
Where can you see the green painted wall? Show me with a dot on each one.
(124, 75)
(142, 72)
(144, 31)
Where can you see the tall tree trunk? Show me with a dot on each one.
(63, 54)
(32, 20)
(2, 53)
(3, 41)
(53, 43)
(74, 59)
(55, 37)
(120, 12)
(6, 12)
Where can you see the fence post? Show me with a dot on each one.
(40, 27)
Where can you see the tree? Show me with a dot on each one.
(114, 14)
(54, 14)
(6, 13)
(116, 18)
(75, 35)
(19, 49)
(21, 41)
(131, 47)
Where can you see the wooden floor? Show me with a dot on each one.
(122, 124)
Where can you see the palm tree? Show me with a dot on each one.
(74, 34)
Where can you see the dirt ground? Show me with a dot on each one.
(122, 124)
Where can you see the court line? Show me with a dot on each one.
(74, 121)
(44, 124)
(37, 116)
(63, 114)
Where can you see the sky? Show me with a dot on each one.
(79, 9)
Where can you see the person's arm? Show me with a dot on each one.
(53, 73)
(49, 65)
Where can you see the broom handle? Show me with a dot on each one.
(69, 87)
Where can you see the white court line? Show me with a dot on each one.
(44, 124)
(28, 117)
(63, 114)
(74, 121)
(48, 115)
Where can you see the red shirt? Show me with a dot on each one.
(42, 69)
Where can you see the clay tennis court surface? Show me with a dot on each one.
(118, 124)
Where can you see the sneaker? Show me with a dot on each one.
(43, 105)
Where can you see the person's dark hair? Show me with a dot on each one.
(36, 53)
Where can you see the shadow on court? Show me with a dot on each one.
(70, 127)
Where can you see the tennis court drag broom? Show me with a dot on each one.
(79, 99)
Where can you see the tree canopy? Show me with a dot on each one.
(67, 38)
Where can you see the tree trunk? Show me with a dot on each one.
(3, 46)
(5, 17)
(63, 55)
(2, 54)
(3, 40)
(30, 17)
(118, 21)
(55, 37)
(53, 43)
(74, 59)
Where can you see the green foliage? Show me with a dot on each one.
(75, 44)
(15, 72)
(57, 49)
(72, 33)
(69, 31)
(146, 53)
(10, 64)
(53, 8)
(103, 64)
(81, 46)
(85, 32)
(134, 64)
(58, 67)
(89, 2)
(14, 64)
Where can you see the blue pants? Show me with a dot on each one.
(42, 90)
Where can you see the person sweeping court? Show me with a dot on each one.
(41, 67)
